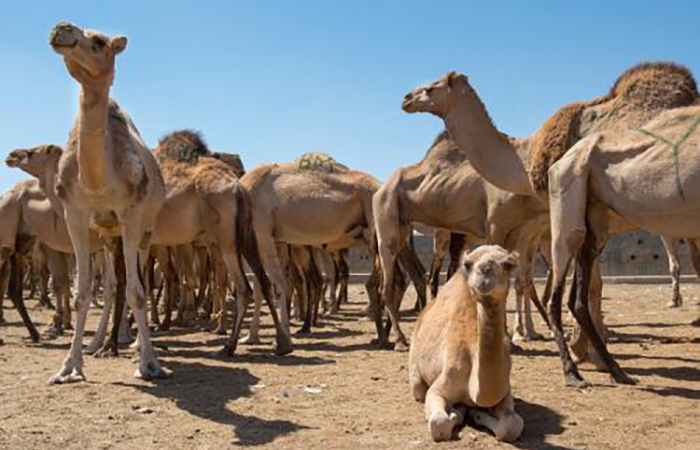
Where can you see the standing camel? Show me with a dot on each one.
(107, 181)
(520, 166)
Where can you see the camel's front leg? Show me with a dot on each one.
(502, 419)
(253, 336)
(674, 266)
(78, 227)
(442, 419)
(149, 367)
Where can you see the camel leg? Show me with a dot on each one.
(15, 287)
(375, 305)
(162, 255)
(235, 270)
(220, 289)
(441, 418)
(439, 252)
(4, 277)
(111, 345)
(253, 336)
(109, 295)
(502, 419)
(187, 307)
(149, 367)
(57, 264)
(579, 344)
(78, 228)
(674, 265)
(412, 264)
(419, 388)
(343, 271)
(587, 256)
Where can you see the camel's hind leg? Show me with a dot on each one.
(674, 265)
(502, 419)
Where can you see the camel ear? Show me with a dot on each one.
(54, 150)
(511, 262)
(118, 44)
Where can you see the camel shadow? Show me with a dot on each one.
(693, 394)
(207, 392)
(540, 422)
(674, 373)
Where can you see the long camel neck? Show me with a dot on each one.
(490, 369)
(492, 154)
(47, 181)
(93, 147)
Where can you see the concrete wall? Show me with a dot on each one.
(632, 254)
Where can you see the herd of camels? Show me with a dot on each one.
(620, 162)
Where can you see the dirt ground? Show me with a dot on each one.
(337, 391)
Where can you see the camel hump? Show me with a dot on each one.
(319, 162)
(637, 96)
(182, 146)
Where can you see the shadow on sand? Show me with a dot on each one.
(207, 391)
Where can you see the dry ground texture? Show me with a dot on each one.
(336, 391)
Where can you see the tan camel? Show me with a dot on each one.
(646, 175)
(444, 191)
(520, 166)
(314, 201)
(206, 201)
(459, 360)
(107, 181)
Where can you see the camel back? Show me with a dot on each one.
(319, 162)
(444, 153)
(638, 95)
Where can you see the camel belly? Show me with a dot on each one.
(316, 222)
(177, 223)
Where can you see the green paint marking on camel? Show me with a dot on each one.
(675, 147)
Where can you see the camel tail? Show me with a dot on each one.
(247, 243)
(568, 190)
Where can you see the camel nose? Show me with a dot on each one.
(408, 97)
(61, 34)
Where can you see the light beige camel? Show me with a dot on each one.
(314, 201)
(107, 181)
(459, 360)
(646, 175)
(520, 166)
(444, 191)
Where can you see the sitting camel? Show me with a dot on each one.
(459, 360)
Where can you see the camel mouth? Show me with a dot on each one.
(62, 37)
(13, 161)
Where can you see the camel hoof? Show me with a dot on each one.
(400, 346)
(620, 377)
(674, 304)
(575, 381)
(250, 340)
(382, 344)
(226, 352)
(440, 427)
(74, 376)
(303, 332)
(152, 371)
(107, 351)
(284, 347)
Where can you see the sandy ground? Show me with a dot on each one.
(337, 391)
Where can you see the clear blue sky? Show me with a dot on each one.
(274, 79)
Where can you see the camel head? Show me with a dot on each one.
(233, 160)
(489, 268)
(35, 160)
(89, 55)
(436, 97)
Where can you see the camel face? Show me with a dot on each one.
(89, 55)
(488, 270)
(435, 98)
(34, 160)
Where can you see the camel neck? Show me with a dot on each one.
(47, 182)
(491, 153)
(490, 363)
(93, 148)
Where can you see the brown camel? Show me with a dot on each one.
(444, 191)
(205, 201)
(315, 201)
(459, 360)
(107, 181)
(520, 166)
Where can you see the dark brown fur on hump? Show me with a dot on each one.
(652, 86)
(183, 146)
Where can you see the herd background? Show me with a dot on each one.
(274, 79)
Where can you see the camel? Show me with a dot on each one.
(444, 191)
(459, 361)
(206, 201)
(318, 202)
(520, 166)
(107, 181)
(645, 175)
